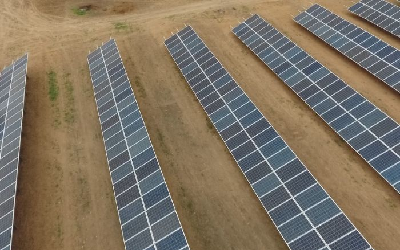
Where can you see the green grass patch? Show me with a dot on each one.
(121, 26)
(79, 11)
(53, 85)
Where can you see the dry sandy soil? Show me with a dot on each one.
(65, 198)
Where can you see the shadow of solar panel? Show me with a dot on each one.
(12, 100)
(145, 208)
(360, 123)
(278, 178)
(379, 12)
(368, 51)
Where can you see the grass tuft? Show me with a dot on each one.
(121, 26)
(141, 90)
(69, 112)
(53, 87)
(161, 139)
(209, 124)
(79, 11)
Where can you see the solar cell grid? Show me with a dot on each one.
(360, 123)
(12, 97)
(299, 207)
(368, 51)
(379, 12)
(147, 215)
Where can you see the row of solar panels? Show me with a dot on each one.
(381, 13)
(368, 51)
(145, 208)
(12, 99)
(305, 215)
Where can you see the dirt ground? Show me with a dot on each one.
(65, 198)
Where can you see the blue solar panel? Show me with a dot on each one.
(147, 215)
(368, 51)
(379, 12)
(360, 123)
(12, 99)
(302, 211)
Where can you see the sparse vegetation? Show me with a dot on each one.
(164, 146)
(59, 229)
(138, 83)
(57, 118)
(79, 12)
(121, 26)
(188, 203)
(209, 124)
(391, 203)
(53, 87)
(82, 10)
(69, 109)
(84, 193)
(53, 96)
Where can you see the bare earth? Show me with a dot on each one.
(65, 198)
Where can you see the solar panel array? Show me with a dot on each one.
(368, 51)
(12, 98)
(368, 130)
(302, 211)
(147, 214)
(379, 12)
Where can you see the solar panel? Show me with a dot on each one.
(304, 214)
(12, 98)
(379, 12)
(146, 212)
(368, 130)
(368, 51)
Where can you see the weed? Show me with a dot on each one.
(209, 123)
(59, 228)
(84, 193)
(121, 26)
(391, 203)
(53, 95)
(80, 11)
(53, 87)
(69, 112)
(188, 203)
(164, 146)
(138, 83)
(245, 9)
(57, 120)
(210, 126)
(172, 17)
(59, 232)
(98, 136)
